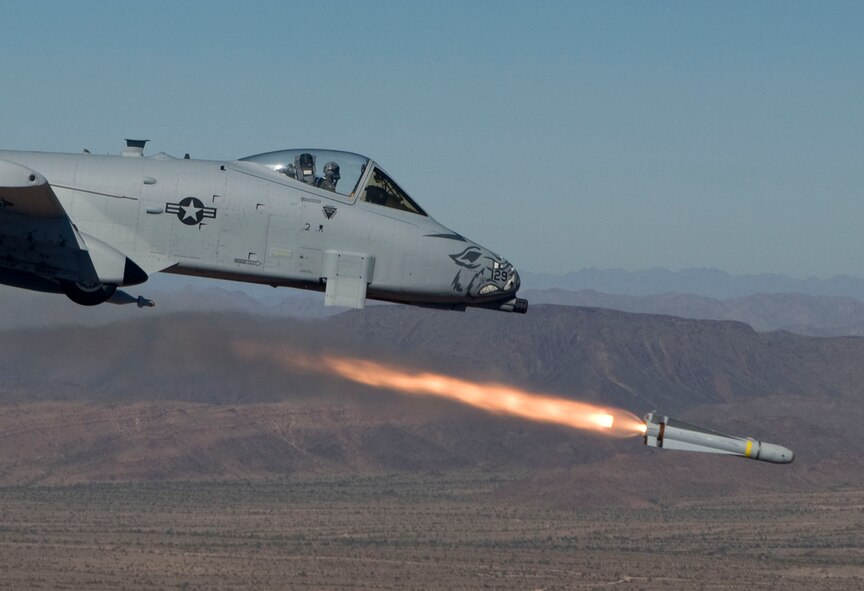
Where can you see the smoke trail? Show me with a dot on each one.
(494, 398)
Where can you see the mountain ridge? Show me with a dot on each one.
(792, 312)
(168, 398)
(701, 281)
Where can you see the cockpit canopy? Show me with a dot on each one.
(348, 174)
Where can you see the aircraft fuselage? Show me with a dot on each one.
(243, 221)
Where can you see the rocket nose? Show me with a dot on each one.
(778, 454)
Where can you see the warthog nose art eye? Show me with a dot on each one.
(468, 257)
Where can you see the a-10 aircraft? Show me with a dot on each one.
(85, 225)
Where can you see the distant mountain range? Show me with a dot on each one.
(793, 312)
(167, 397)
(118, 393)
(21, 308)
(710, 283)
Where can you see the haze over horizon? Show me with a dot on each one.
(562, 135)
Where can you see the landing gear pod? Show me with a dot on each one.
(667, 433)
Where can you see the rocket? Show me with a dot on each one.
(667, 433)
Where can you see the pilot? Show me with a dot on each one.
(331, 176)
(290, 171)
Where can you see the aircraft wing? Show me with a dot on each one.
(25, 192)
(39, 244)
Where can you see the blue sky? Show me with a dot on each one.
(561, 134)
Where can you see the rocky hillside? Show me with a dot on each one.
(167, 397)
(765, 312)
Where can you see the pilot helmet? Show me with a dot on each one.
(331, 171)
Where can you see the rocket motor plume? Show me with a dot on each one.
(494, 398)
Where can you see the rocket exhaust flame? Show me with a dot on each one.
(494, 398)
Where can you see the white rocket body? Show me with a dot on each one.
(667, 433)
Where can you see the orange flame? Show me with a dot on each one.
(491, 397)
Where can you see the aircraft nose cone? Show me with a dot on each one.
(498, 278)
(514, 283)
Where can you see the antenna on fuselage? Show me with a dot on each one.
(134, 147)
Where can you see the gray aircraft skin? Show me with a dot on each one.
(85, 224)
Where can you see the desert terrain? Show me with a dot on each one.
(146, 454)
(418, 532)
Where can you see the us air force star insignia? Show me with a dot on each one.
(329, 211)
(190, 211)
